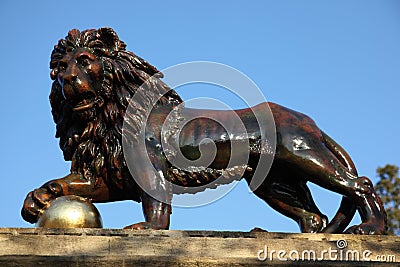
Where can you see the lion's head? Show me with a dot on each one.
(94, 79)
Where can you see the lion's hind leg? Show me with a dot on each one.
(320, 166)
(293, 200)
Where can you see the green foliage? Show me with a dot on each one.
(388, 188)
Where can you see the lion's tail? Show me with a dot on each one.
(347, 208)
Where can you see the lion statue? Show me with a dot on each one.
(111, 107)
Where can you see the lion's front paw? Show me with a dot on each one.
(36, 201)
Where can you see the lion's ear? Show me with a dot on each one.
(110, 39)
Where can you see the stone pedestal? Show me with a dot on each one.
(109, 247)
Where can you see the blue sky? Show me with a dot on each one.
(337, 61)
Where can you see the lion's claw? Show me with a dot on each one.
(41, 197)
(36, 200)
(30, 209)
(55, 189)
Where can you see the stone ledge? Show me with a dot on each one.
(112, 247)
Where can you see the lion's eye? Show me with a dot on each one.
(84, 61)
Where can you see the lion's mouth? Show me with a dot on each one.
(84, 104)
(87, 101)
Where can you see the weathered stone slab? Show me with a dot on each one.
(111, 247)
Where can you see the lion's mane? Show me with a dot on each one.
(95, 147)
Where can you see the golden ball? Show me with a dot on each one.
(70, 212)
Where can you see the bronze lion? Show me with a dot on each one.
(95, 80)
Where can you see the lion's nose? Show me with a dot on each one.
(68, 81)
(70, 75)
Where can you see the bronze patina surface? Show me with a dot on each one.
(94, 80)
